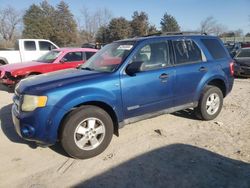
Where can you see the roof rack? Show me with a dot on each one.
(176, 33)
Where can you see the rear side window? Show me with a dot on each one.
(215, 48)
(30, 45)
(73, 56)
(89, 54)
(186, 51)
(45, 46)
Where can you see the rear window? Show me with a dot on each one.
(215, 48)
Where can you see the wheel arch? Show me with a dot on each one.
(106, 107)
(3, 61)
(220, 84)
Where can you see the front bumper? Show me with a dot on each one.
(40, 125)
(7, 81)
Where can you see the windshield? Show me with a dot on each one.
(49, 57)
(110, 57)
(244, 53)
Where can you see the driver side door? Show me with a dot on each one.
(70, 60)
(150, 89)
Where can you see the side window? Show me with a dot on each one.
(30, 45)
(186, 51)
(73, 56)
(214, 47)
(153, 56)
(45, 46)
(89, 55)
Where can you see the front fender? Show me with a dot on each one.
(74, 99)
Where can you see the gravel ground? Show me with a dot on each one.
(173, 150)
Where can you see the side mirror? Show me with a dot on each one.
(133, 68)
(63, 60)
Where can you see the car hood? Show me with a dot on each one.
(16, 66)
(41, 83)
(243, 61)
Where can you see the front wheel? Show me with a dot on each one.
(86, 132)
(210, 103)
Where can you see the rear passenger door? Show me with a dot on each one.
(190, 68)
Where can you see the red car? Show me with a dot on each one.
(54, 60)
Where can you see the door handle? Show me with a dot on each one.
(163, 76)
(203, 69)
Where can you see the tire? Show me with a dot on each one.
(2, 63)
(210, 103)
(77, 138)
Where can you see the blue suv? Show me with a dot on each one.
(126, 81)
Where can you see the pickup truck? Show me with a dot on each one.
(26, 50)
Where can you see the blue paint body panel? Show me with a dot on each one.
(128, 96)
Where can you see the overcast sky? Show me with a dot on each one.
(234, 14)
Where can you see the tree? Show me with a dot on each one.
(38, 21)
(90, 22)
(66, 28)
(44, 21)
(208, 25)
(102, 35)
(119, 28)
(169, 24)
(247, 35)
(10, 19)
(152, 29)
(139, 24)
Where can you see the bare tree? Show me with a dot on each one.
(238, 33)
(10, 19)
(90, 22)
(219, 29)
(210, 26)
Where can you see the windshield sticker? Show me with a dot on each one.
(125, 47)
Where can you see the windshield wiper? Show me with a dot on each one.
(85, 68)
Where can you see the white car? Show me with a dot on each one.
(26, 50)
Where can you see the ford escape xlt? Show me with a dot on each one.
(124, 82)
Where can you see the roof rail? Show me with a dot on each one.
(176, 33)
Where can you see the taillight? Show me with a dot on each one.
(232, 68)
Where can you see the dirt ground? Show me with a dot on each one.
(173, 150)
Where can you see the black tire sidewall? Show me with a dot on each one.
(207, 92)
(73, 120)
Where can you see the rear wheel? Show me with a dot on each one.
(210, 103)
(86, 132)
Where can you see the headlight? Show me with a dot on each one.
(31, 102)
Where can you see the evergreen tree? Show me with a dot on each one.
(102, 35)
(152, 30)
(139, 24)
(34, 23)
(64, 25)
(169, 24)
(119, 28)
(46, 22)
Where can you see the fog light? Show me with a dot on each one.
(28, 131)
